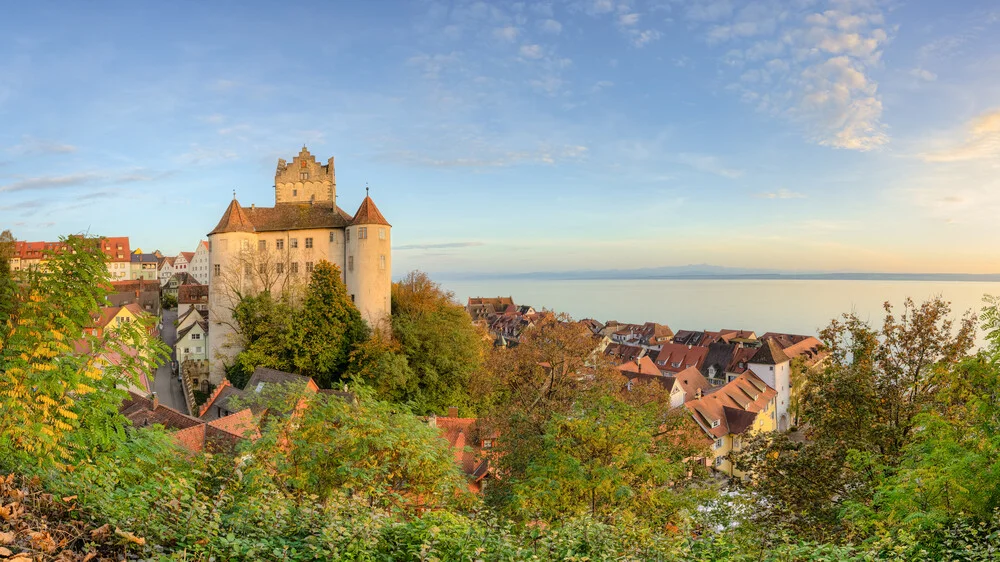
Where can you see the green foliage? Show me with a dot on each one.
(379, 451)
(8, 286)
(168, 301)
(601, 460)
(443, 349)
(57, 401)
(314, 338)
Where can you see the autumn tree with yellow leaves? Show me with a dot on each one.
(59, 397)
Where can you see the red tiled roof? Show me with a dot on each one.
(233, 220)
(368, 213)
(683, 356)
(769, 354)
(747, 394)
(241, 423)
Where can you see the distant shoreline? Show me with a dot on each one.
(959, 277)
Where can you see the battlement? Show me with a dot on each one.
(305, 180)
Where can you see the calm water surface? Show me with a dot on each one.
(791, 306)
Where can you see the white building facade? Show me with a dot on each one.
(276, 248)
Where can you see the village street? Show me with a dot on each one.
(165, 384)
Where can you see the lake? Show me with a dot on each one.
(789, 306)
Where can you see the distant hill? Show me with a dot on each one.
(707, 272)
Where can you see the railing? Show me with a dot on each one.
(188, 391)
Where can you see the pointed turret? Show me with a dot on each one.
(368, 213)
(234, 219)
(769, 354)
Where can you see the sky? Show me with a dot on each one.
(522, 136)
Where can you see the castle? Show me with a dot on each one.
(272, 248)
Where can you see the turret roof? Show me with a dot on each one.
(233, 220)
(368, 213)
(769, 354)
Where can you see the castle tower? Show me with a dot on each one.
(368, 274)
(305, 180)
(773, 367)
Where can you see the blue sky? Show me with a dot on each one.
(525, 136)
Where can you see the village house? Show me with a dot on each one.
(143, 266)
(173, 285)
(470, 448)
(674, 357)
(108, 317)
(194, 434)
(726, 414)
(479, 308)
(199, 263)
(192, 339)
(165, 269)
(146, 294)
(192, 296)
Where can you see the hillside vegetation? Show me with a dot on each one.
(900, 460)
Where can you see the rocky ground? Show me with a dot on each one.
(36, 526)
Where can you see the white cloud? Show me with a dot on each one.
(813, 67)
(644, 37)
(707, 163)
(602, 85)
(550, 26)
(600, 7)
(31, 146)
(506, 33)
(780, 194)
(980, 141)
(923, 74)
(531, 51)
(628, 19)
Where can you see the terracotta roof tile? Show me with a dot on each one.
(233, 220)
(368, 213)
(769, 354)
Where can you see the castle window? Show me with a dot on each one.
(350, 263)
(381, 234)
(309, 242)
(295, 268)
(218, 269)
(295, 192)
(293, 242)
(304, 175)
(279, 244)
(347, 235)
(352, 298)
(362, 232)
(247, 270)
(279, 267)
(333, 236)
(381, 262)
(309, 267)
(262, 245)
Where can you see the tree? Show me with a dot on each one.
(603, 460)
(314, 338)
(326, 445)
(861, 414)
(331, 326)
(8, 287)
(57, 401)
(443, 349)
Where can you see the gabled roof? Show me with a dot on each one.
(769, 354)
(265, 375)
(233, 220)
(691, 381)
(735, 405)
(189, 294)
(368, 213)
(188, 256)
(642, 366)
(683, 355)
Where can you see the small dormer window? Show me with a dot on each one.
(487, 443)
(715, 423)
(260, 386)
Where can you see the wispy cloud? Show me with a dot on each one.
(30, 146)
(550, 26)
(44, 183)
(980, 140)
(707, 163)
(437, 246)
(813, 67)
(490, 158)
(923, 74)
(780, 194)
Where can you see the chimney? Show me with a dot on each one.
(155, 399)
(689, 346)
(698, 393)
(252, 206)
(452, 412)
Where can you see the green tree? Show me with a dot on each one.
(330, 327)
(314, 338)
(325, 445)
(443, 349)
(602, 460)
(57, 401)
(8, 287)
